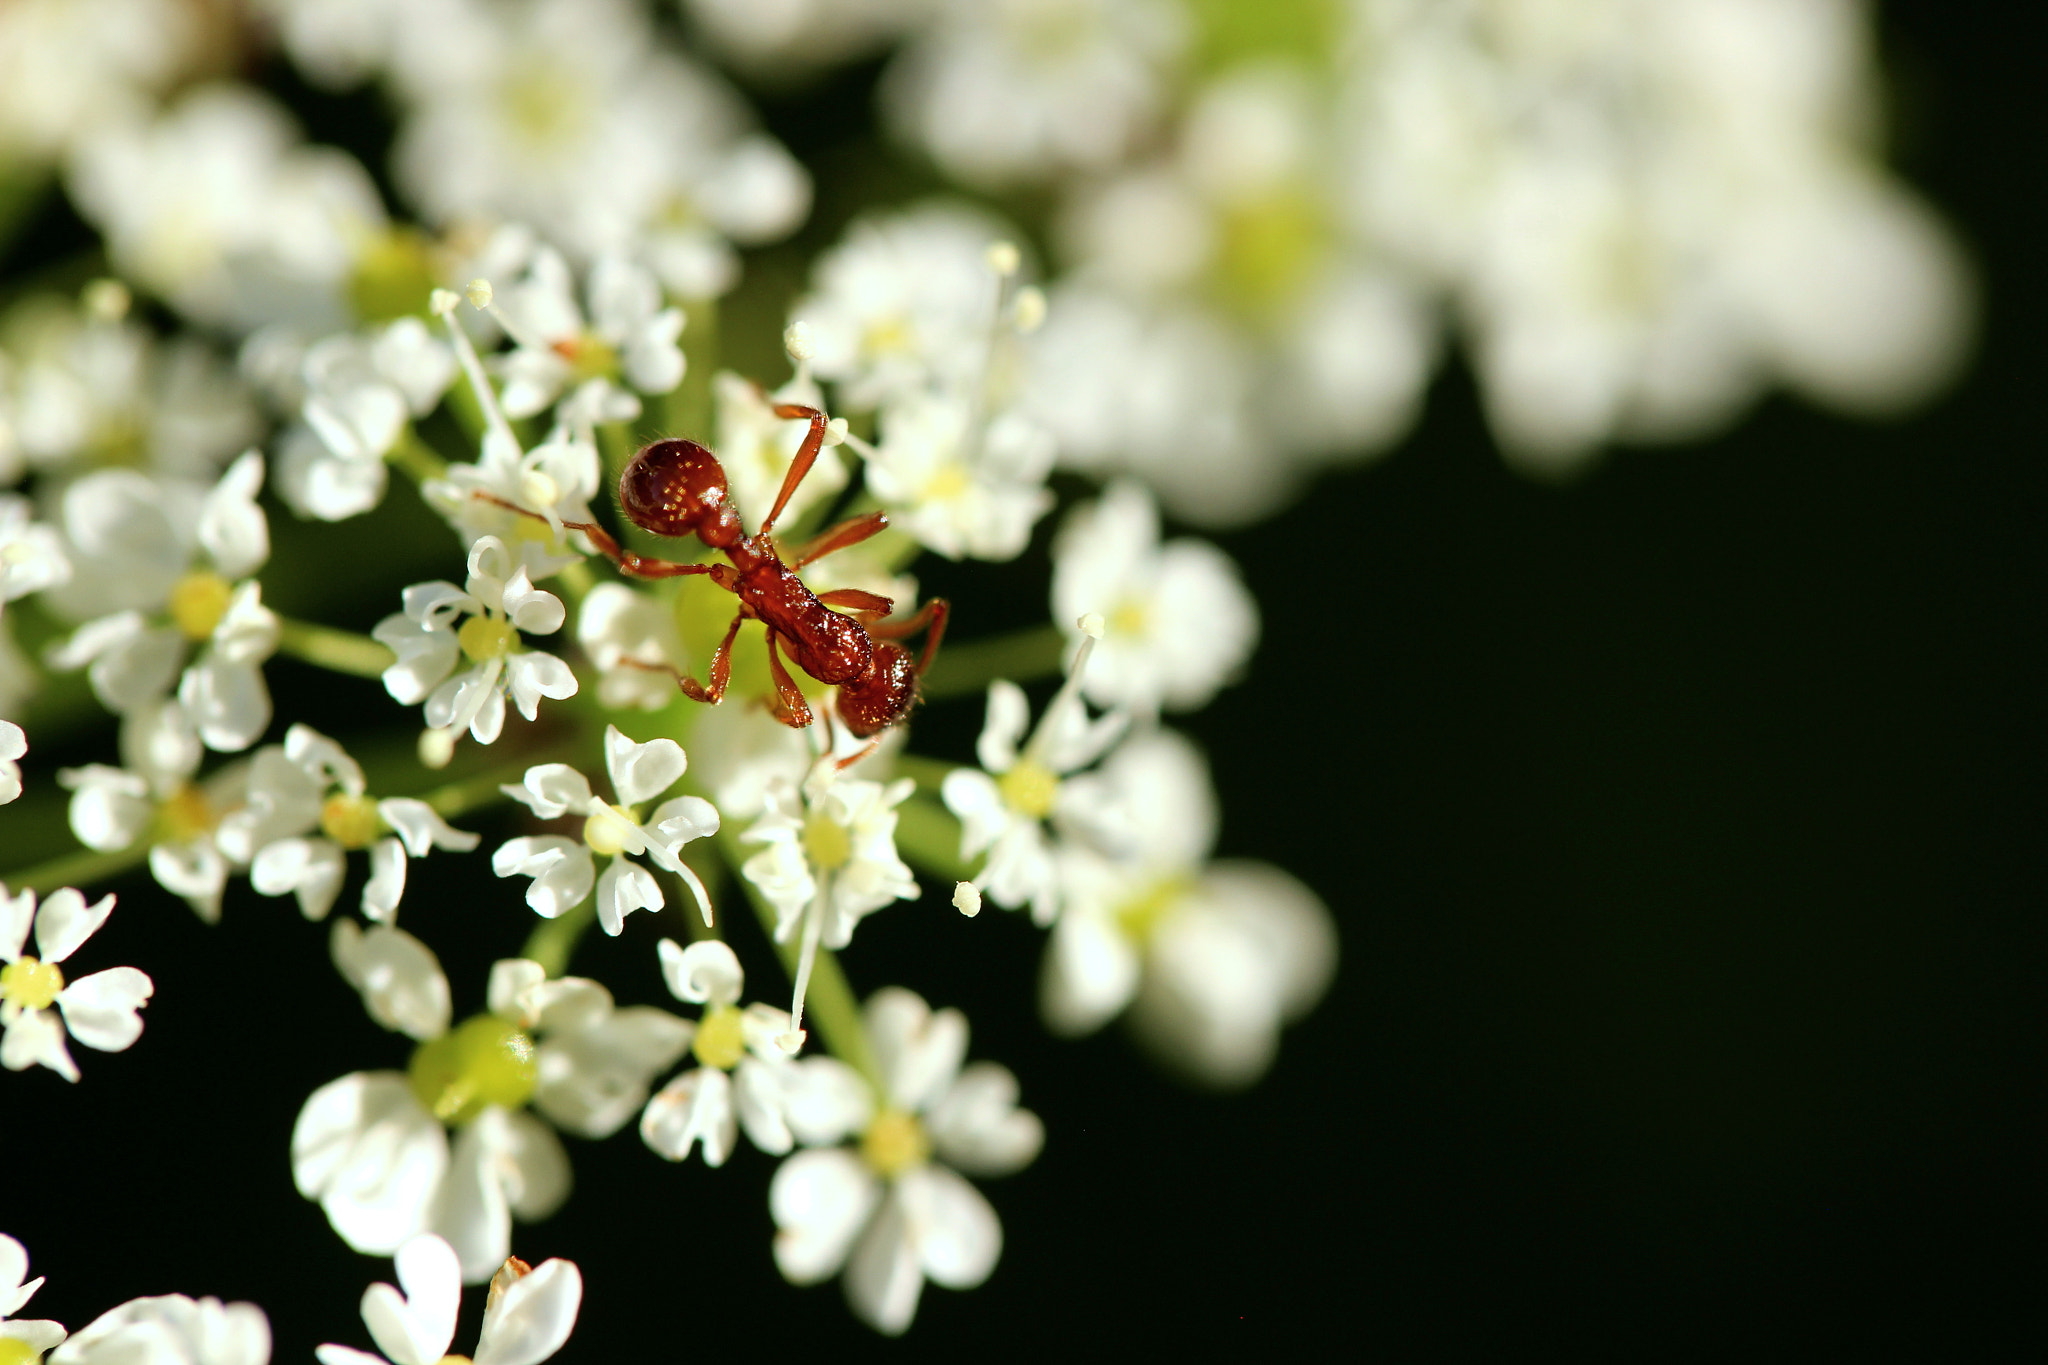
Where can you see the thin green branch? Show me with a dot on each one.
(928, 835)
(81, 868)
(1023, 656)
(341, 651)
(419, 461)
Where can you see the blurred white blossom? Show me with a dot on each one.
(38, 1006)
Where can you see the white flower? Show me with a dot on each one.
(31, 553)
(904, 300)
(155, 797)
(1003, 806)
(1178, 621)
(743, 1076)
(527, 1318)
(830, 860)
(500, 601)
(999, 91)
(99, 1010)
(886, 1211)
(571, 116)
(372, 1147)
(359, 392)
(618, 624)
(13, 744)
(563, 869)
(143, 547)
(1212, 959)
(68, 67)
(306, 784)
(170, 1329)
(629, 336)
(960, 486)
(220, 207)
(92, 387)
(36, 1335)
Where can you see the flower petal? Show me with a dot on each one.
(67, 921)
(696, 1106)
(641, 772)
(562, 870)
(386, 886)
(100, 1009)
(372, 1156)
(415, 1327)
(705, 972)
(956, 1234)
(35, 1038)
(400, 979)
(918, 1050)
(883, 1277)
(624, 887)
(820, 1200)
(422, 827)
(533, 1317)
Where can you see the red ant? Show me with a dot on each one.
(676, 487)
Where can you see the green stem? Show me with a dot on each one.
(928, 835)
(553, 940)
(342, 651)
(928, 773)
(81, 868)
(419, 460)
(687, 407)
(1022, 656)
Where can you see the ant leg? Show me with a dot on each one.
(721, 669)
(852, 531)
(793, 711)
(639, 566)
(932, 614)
(806, 456)
(854, 599)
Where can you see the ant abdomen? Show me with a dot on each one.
(877, 700)
(677, 487)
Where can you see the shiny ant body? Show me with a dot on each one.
(677, 487)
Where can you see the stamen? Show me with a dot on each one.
(696, 886)
(814, 928)
(1027, 312)
(444, 303)
(1069, 693)
(106, 300)
(967, 898)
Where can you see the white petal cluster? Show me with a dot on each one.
(37, 1005)
(1648, 210)
(1003, 91)
(219, 207)
(571, 115)
(84, 384)
(155, 565)
(966, 488)
(154, 797)
(1178, 622)
(382, 1164)
(13, 744)
(755, 447)
(829, 849)
(305, 807)
(564, 869)
(526, 1320)
(357, 392)
(1006, 805)
(617, 624)
(171, 1329)
(36, 1335)
(628, 336)
(497, 602)
(885, 1212)
(71, 67)
(1212, 959)
(744, 1080)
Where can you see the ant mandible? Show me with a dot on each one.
(676, 487)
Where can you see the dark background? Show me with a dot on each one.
(1680, 823)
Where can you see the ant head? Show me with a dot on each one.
(676, 487)
(882, 696)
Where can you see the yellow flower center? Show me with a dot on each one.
(1029, 788)
(185, 814)
(589, 357)
(888, 335)
(949, 483)
(543, 104)
(612, 831)
(486, 637)
(825, 842)
(15, 1351)
(30, 984)
(198, 601)
(484, 1061)
(894, 1143)
(1269, 247)
(351, 821)
(720, 1042)
(1131, 618)
(394, 273)
(1141, 915)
